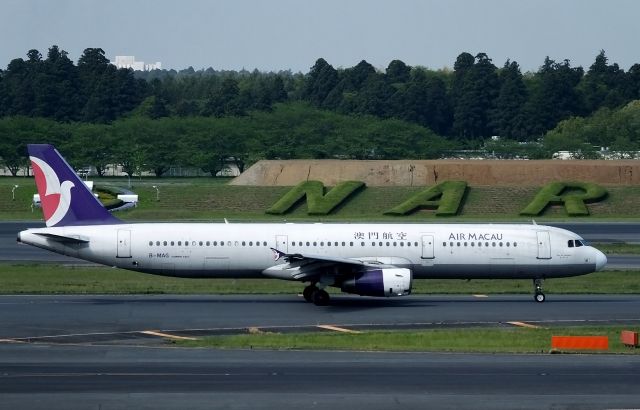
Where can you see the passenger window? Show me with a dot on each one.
(172, 243)
(157, 243)
(493, 244)
(362, 243)
(473, 244)
(150, 243)
(336, 244)
(508, 244)
(200, 243)
(458, 244)
(444, 244)
(401, 243)
(315, 244)
(515, 244)
(344, 244)
(395, 244)
(350, 243)
(328, 243)
(500, 244)
(321, 244)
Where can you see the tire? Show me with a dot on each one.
(308, 293)
(320, 298)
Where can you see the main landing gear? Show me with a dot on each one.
(539, 295)
(318, 296)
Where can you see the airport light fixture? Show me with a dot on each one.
(157, 192)
(13, 192)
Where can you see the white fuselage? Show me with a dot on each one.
(243, 250)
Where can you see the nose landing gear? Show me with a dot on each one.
(539, 295)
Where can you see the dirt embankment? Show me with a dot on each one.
(427, 172)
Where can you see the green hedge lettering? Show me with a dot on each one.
(445, 198)
(317, 202)
(573, 195)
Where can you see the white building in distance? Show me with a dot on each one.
(130, 62)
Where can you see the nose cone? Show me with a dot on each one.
(601, 260)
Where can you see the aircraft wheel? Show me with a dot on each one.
(308, 292)
(539, 297)
(320, 298)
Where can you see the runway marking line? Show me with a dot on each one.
(524, 324)
(166, 335)
(338, 329)
(480, 296)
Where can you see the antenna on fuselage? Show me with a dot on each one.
(533, 221)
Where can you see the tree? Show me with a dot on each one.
(398, 72)
(508, 117)
(603, 85)
(320, 81)
(554, 96)
(477, 90)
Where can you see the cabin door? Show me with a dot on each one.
(544, 245)
(427, 247)
(282, 244)
(124, 243)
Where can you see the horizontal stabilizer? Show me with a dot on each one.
(62, 238)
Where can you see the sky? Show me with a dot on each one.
(274, 35)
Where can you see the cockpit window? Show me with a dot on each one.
(577, 243)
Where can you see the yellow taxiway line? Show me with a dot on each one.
(167, 335)
(523, 324)
(337, 329)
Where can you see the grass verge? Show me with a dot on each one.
(78, 279)
(485, 340)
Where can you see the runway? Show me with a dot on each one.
(49, 377)
(97, 353)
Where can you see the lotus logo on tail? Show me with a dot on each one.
(55, 197)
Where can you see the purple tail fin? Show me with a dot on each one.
(65, 199)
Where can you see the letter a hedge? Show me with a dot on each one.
(445, 198)
(317, 202)
(564, 193)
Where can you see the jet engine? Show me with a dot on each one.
(380, 282)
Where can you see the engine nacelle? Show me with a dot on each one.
(380, 282)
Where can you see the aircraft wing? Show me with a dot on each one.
(308, 267)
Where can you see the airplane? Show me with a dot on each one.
(368, 259)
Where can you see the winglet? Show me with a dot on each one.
(65, 199)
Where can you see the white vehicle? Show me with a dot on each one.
(370, 259)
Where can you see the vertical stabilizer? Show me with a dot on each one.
(65, 199)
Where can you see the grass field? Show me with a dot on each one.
(213, 199)
(54, 279)
(485, 340)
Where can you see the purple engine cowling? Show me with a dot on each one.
(380, 282)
